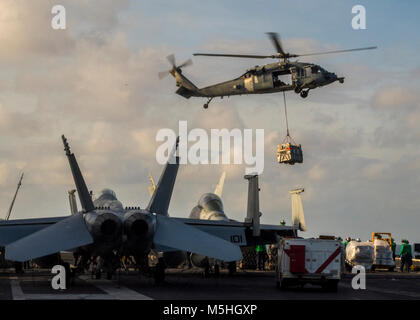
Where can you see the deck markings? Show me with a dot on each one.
(112, 291)
(17, 293)
(115, 290)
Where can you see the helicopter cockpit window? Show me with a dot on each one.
(315, 69)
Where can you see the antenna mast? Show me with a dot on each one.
(14, 198)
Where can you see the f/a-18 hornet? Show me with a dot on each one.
(106, 229)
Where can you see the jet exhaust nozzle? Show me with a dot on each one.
(139, 227)
(104, 226)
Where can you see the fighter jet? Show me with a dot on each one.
(210, 207)
(106, 229)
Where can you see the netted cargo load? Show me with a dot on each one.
(289, 153)
(383, 253)
(360, 253)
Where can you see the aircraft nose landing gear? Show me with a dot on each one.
(206, 105)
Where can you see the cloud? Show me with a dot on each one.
(97, 83)
(394, 97)
(25, 31)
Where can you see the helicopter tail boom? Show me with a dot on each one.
(186, 88)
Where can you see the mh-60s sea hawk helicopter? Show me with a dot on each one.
(268, 78)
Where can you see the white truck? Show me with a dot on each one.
(315, 261)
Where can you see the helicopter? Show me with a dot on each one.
(269, 78)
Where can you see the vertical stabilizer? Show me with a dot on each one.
(298, 219)
(159, 203)
(253, 211)
(219, 188)
(152, 186)
(72, 202)
(82, 190)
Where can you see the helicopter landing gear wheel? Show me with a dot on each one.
(304, 94)
(206, 105)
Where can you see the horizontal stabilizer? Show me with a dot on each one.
(175, 234)
(186, 93)
(66, 234)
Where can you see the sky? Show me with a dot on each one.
(96, 82)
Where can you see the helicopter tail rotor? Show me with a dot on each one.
(172, 62)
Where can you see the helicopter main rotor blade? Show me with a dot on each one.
(336, 51)
(163, 74)
(234, 55)
(171, 59)
(275, 38)
(186, 63)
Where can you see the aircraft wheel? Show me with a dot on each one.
(304, 94)
(206, 105)
(159, 273)
(232, 268)
(298, 89)
(206, 271)
(341, 80)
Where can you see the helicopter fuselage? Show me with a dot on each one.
(267, 79)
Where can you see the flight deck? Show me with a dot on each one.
(189, 284)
